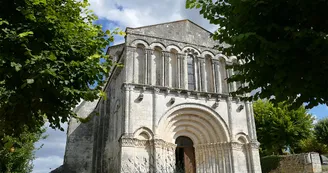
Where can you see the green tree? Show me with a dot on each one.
(279, 128)
(311, 144)
(282, 46)
(17, 158)
(50, 52)
(321, 131)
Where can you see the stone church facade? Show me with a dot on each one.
(167, 110)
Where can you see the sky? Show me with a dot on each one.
(122, 14)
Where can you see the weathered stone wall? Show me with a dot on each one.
(300, 163)
(79, 148)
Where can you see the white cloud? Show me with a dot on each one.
(136, 13)
(315, 119)
(46, 164)
(51, 155)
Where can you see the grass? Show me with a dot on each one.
(324, 167)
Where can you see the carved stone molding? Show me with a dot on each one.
(133, 142)
(237, 146)
(128, 87)
(159, 143)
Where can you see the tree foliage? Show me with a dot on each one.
(50, 52)
(321, 131)
(282, 46)
(311, 144)
(18, 156)
(279, 128)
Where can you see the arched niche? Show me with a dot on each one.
(209, 73)
(171, 47)
(140, 63)
(157, 65)
(174, 74)
(143, 133)
(244, 153)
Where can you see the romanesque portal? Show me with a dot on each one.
(167, 110)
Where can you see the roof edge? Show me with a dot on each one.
(183, 20)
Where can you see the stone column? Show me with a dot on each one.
(155, 108)
(203, 76)
(249, 120)
(167, 72)
(185, 72)
(163, 56)
(149, 66)
(232, 86)
(217, 83)
(130, 110)
(253, 121)
(199, 158)
(127, 98)
(146, 67)
(255, 157)
(229, 106)
(178, 78)
(196, 73)
(236, 149)
(214, 75)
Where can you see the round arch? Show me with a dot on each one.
(196, 121)
(172, 46)
(143, 130)
(242, 138)
(207, 52)
(134, 43)
(221, 56)
(192, 49)
(157, 44)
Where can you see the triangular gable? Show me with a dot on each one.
(182, 31)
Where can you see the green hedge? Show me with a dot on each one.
(269, 163)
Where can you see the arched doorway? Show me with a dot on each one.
(185, 155)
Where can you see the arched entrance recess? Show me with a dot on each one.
(185, 155)
(207, 131)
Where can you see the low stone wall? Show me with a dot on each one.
(300, 163)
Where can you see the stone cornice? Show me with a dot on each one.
(177, 91)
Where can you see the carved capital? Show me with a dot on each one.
(127, 87)
(236, 146)
(156, 90)
(167, 54)
(254, 145)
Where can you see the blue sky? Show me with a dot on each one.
(123, 13)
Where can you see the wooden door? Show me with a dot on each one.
(185, 155)
(189, 160)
